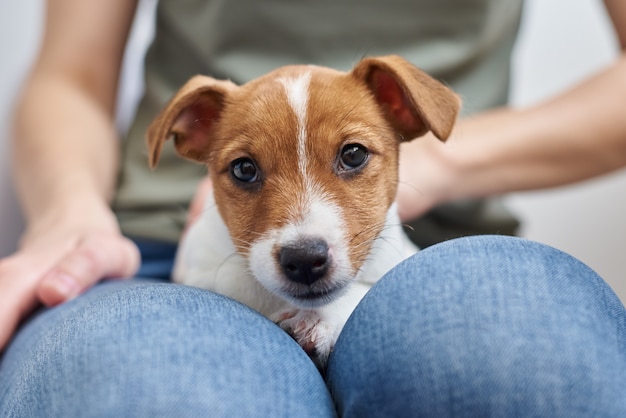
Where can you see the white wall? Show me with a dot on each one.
(562, 42)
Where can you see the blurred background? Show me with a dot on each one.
(561, 42)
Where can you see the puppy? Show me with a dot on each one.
(304, 165)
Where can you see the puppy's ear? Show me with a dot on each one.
(188, 118)
(412, 101)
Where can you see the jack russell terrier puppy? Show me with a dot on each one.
(304, 163)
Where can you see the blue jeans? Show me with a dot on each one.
(482, 326)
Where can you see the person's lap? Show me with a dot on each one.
(480, 326)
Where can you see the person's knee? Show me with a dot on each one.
(474, 269)
(153, 347)
(490, 323)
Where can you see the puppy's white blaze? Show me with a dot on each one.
(297, 90)
(319, 218)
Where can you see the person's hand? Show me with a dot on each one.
(425, 176)
(59, 258)
(477, 160)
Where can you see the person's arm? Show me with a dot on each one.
(574, 136)
(66, 161)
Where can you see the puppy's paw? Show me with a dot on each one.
(315, 335)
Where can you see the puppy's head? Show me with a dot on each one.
(304, 162)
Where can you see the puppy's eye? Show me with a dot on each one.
(353, 156)
(244, 170)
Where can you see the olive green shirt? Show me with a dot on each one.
(465, 43)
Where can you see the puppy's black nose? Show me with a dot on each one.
(305, 262)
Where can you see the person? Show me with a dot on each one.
(478, 326)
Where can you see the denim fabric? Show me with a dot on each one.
(483, 326)
(157, 259)
(142, 349)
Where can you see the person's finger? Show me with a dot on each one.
(93, 259)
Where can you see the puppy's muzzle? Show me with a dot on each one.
(305, 261)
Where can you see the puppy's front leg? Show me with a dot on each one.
(317, 330)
